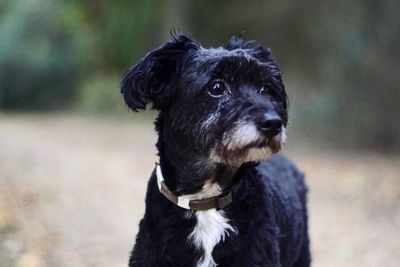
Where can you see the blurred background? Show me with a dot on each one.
(74, 161)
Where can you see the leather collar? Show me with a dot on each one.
(218, 202)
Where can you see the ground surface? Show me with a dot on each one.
(72, 191)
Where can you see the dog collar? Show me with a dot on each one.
(218, 202)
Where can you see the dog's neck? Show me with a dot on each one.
(186, 172)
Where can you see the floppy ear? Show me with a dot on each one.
(151, 79)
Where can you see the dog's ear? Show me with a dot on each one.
(151, 79)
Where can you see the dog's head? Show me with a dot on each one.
(229, 104)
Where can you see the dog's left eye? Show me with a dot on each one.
(217, 89)
(263, 90)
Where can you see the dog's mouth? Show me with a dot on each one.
(274, 144)
(255, 150)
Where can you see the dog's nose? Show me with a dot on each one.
(269, 124)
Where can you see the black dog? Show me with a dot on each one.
(215, 200)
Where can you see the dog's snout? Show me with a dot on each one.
(269, 124)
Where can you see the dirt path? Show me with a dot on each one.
(72, 191)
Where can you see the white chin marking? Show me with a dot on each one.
(257, 154)
(244, 133)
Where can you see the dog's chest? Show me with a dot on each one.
(211, 228)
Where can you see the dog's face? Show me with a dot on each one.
(229, 104)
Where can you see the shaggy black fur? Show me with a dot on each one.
(202, 96)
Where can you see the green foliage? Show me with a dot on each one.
(48, 48)
(37, 67)
(100, 95)
(111, 34)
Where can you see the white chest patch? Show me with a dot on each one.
(211, 227)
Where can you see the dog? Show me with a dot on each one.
(219, 195)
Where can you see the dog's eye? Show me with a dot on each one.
(217, 89)
(263, 90)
